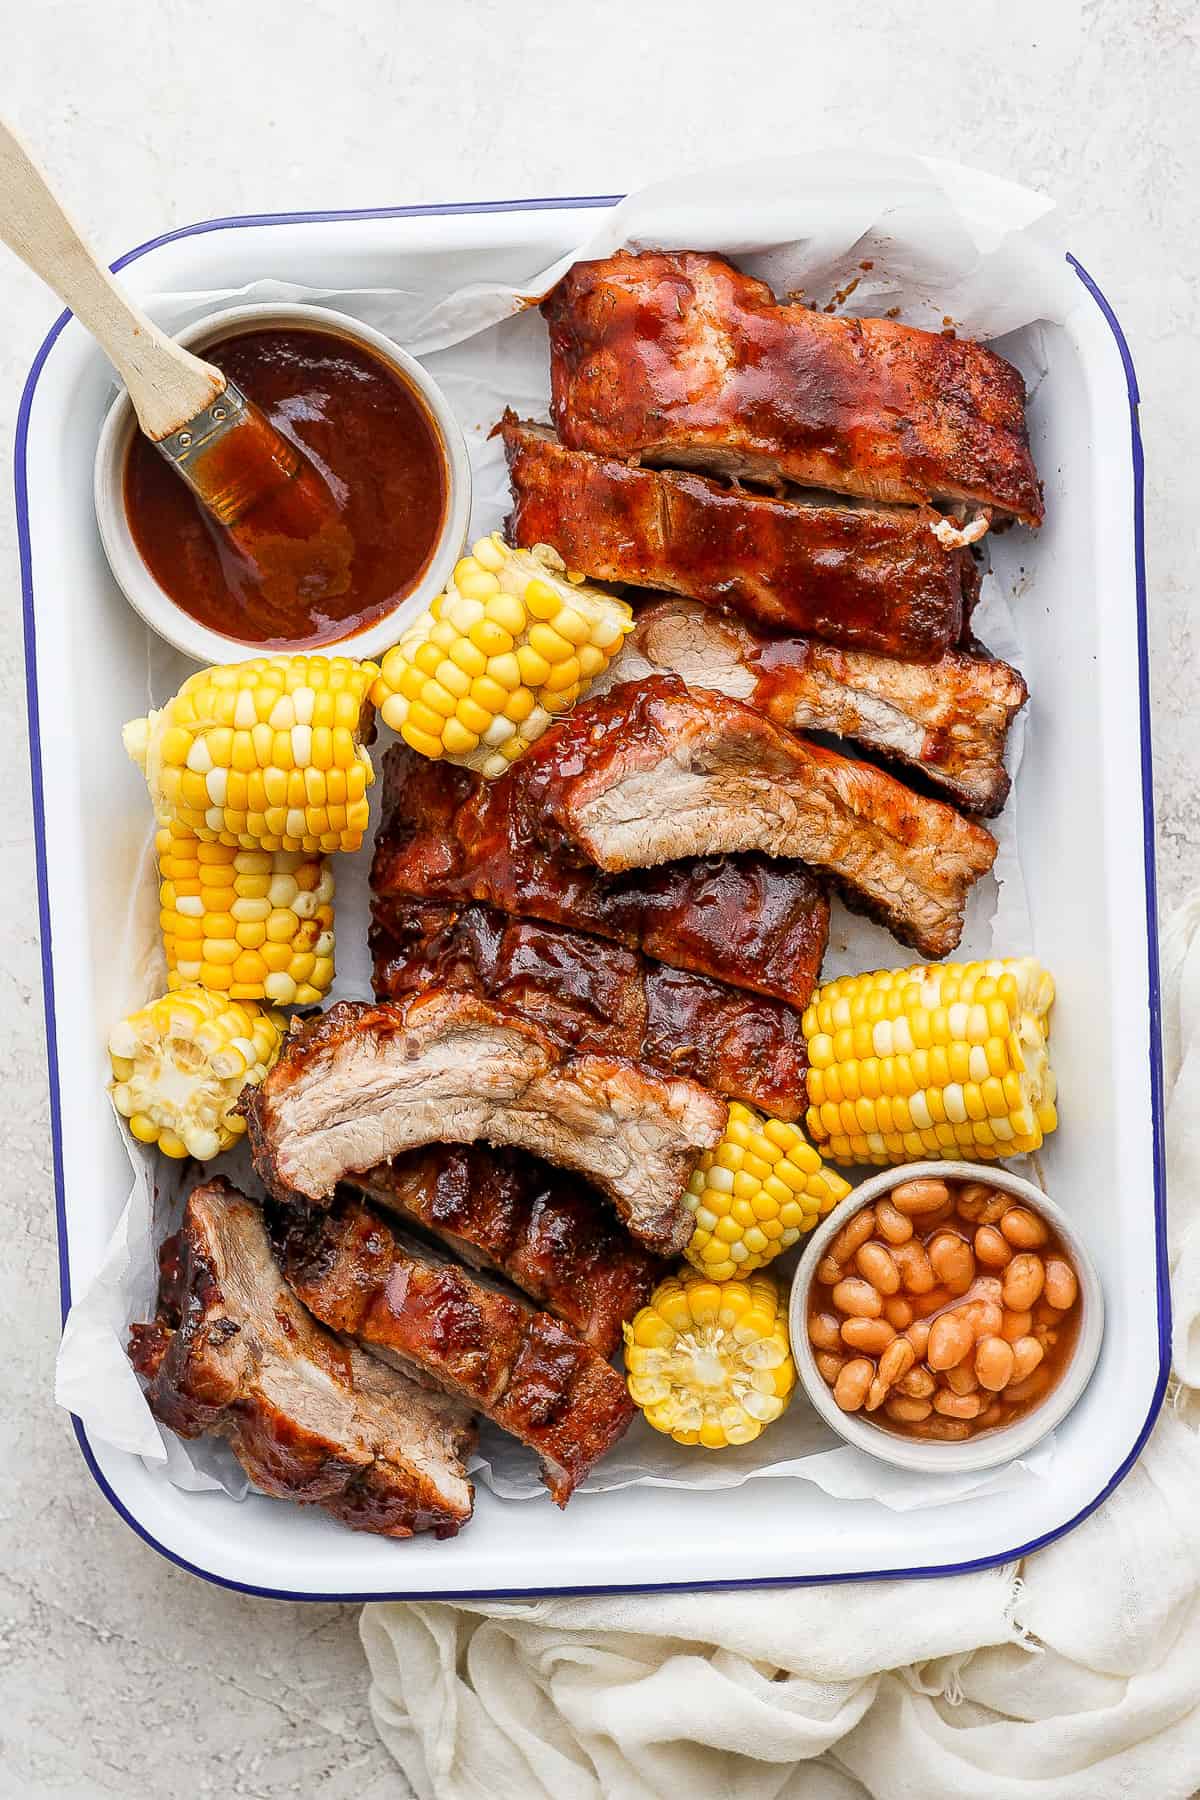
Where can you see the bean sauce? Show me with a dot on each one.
(367, 434)
(946, 1310)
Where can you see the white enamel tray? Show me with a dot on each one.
(1087, 848)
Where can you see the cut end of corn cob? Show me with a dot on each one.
(708, 1362)
(263, 755)
(252, 924)
(945, 1060)
(180, 1064)
(755, 1194)
(513, 641)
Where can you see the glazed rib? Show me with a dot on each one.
(949, 719)
(548, 1232)
(489, 1349)
(866, 576)
(600, 996)
(680, 358)
(232, 1353)
(360, 1083)
(653, 770)
(448, 835)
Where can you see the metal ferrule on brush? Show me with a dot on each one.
(203, 452)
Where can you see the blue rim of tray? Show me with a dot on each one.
(549, 203)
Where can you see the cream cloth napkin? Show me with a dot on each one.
(1076, 1677)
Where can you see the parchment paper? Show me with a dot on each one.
(934, 241)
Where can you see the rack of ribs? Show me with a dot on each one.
(653, 770)
(677, 357)
(491, 1350)
(950, 718)
(232, 1353)
(601, 996)
(448, 835)
(867, 576)
(546, 1231)
(356, 1085)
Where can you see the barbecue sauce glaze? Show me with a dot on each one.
(367, 434)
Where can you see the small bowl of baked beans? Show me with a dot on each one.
(946, 1315)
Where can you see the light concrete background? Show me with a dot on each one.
(118, 1674)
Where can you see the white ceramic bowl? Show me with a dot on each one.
(992, 1447)
(158, 609)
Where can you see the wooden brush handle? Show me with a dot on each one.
(167, 384)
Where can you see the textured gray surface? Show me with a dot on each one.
(118, 1674)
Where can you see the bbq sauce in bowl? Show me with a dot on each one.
(368, 434)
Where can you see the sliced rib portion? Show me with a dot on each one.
(361, 1082)
(493, 1351)
(653, 770)
(600, 996)
(949, 719)
(867, 576)
(234, 1354)
(449, 835)
(547, 1231)
(680, 358)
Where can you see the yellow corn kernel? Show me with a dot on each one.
(755, 1194)
(708, 1361)
(948, 1059)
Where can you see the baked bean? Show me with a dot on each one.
(1023, 1280)
(1045, 1314)
(993, 1363)
(918, 1382)
(875, 1263)
(938, 1217)
(917, 1197)
(828, 1271)
(962, 1379)
(891, 1224)
(925, 1305)
(1061, 1286)
(824, 1331)
(854, 1232)
(973, 1196)
(1023, 1229)
(897, 1312)
(957, 1406)
(952, 1261)
(991, 1415)
(870, 1335)
(906, 1410)
(1018, 1392)
(896, 1361)
(850, 1388)
(918, 1336)
(992, 1247)
(1015, 1325)
(877, 1393)
(984, 1317)
(830, 1365)
(916, 1270)
(852, 1295)
(1027, 1354)
(947, 1431)
(950, 1338)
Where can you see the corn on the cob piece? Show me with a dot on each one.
(263, 755)
(180, 1063)
(755, 1194)
(708, 1362)
(511, 642)
(945, 1060)
(253, 924)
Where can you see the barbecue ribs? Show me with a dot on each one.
(543, 1229)
(680, 358)
(357, 1084)
(522, 1368)
(867, 576)
(652, 770)
(448, 835)
(950, 719)
(600, 996)
(233, 1353)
